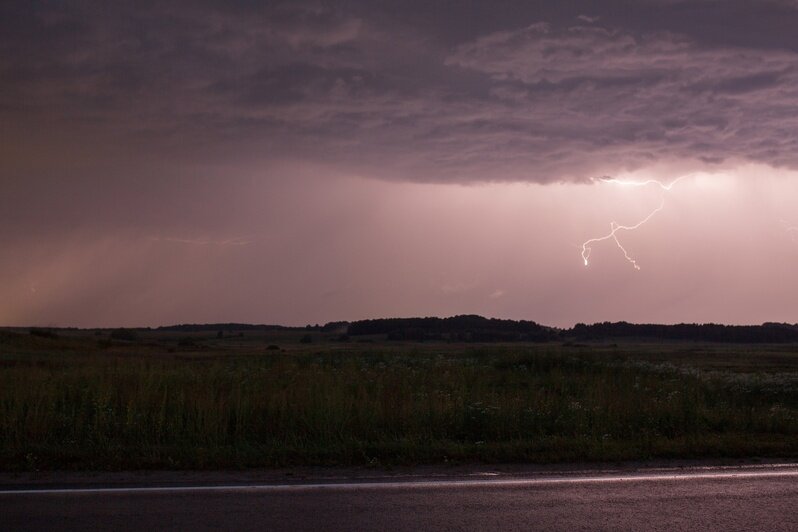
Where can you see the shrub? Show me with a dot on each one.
(43, 333)
(125, 335)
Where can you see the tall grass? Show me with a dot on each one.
(491, 404)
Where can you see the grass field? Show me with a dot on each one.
(80, 401)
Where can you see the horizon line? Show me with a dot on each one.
(311, 325)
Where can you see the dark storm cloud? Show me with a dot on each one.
(415, 91)
(643, 97)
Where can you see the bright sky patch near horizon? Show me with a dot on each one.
(304, 162)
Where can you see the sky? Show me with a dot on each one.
(303, 162)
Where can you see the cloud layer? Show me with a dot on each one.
(597, 96)
(554, 96)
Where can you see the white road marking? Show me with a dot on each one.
(431, 484)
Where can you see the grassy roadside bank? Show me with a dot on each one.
(66, 404)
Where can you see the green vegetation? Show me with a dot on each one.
(74, 400)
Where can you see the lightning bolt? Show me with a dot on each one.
(632, 183)
(613, 234)
(615, 226)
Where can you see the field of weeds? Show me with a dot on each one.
(78, 403)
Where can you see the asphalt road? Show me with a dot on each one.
(756, 498)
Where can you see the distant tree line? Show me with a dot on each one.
(336, 326)
(465, 328)
(707, 332)
(226, 327)
(473, 328)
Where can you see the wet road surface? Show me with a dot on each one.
(747, 498)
